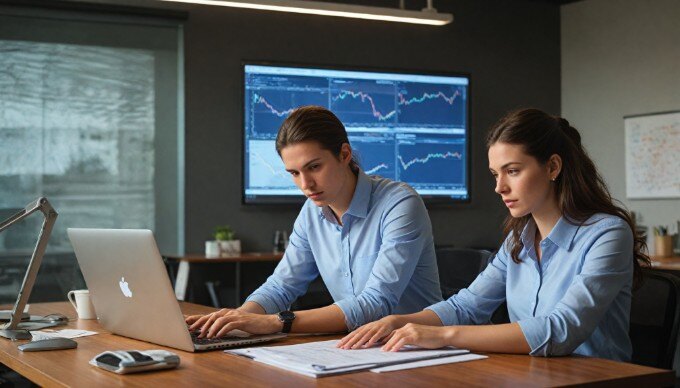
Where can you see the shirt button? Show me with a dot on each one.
(346, 274)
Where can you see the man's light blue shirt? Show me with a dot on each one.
(576, 299)
(380, 261)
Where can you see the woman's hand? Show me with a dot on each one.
(223, 321)
(370, 333)
(430, 337)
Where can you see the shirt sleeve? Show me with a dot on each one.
(477, 303)
(405, 230)
(607, 269)
(293, 274)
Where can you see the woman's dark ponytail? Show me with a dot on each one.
(581, 191)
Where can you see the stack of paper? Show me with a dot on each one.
(65, 333)
(318, 359)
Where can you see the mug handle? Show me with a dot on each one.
(72, 300)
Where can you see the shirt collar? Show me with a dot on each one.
(362, 195)
(561, 235)
(358, 207)
(528, 234)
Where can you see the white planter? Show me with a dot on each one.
(230, 248)
(216, 248)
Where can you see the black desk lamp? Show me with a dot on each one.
(13, 329)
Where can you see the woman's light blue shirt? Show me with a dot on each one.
(380, 261)
(575, 300)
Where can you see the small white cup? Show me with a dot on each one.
(80, 299)
(212, 248)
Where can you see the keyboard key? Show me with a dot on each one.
(204, 341)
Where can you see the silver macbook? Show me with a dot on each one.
(131, 290)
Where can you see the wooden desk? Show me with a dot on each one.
(666, 263)
(185, 261)
(71, 368)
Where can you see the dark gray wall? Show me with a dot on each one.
(510, 49)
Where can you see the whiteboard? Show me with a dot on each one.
(653, 155)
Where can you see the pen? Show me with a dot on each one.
(660, 231)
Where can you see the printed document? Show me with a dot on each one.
(322, 358)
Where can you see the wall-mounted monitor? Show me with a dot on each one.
(410, 127)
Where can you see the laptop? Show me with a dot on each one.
(132, 294)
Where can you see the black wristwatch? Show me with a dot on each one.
(287, 317)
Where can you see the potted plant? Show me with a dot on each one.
(224, 244)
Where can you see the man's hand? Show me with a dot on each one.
(223, 321)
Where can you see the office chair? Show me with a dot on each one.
(317, 296)
(655, 319)
(458, 267)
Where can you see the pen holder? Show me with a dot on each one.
(663, 246)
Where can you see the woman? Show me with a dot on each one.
(566, 267)
(369, 238)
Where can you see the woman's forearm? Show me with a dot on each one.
(505, 338)
(425, 317)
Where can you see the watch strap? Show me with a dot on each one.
(287, 325)
(287, 317)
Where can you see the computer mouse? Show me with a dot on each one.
(57, 318)
(48, 344)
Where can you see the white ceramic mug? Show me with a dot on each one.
(80, 299)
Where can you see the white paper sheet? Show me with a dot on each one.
(65, 333)
(322, 358)
(432, 362)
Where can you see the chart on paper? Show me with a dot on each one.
(653, 156)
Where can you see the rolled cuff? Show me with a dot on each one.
(352, 310)
(537, 333)
(445, 313)
(266, 303)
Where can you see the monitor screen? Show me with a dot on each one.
(403, 126)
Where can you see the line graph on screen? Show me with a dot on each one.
(431, 163)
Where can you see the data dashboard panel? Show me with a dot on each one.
(409, 127)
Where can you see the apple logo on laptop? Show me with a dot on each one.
(124, 287)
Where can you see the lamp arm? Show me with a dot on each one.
(39, 204)
(34, 265)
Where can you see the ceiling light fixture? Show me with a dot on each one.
(428, 15)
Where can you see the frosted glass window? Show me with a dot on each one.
(77, 126)
(91, 115)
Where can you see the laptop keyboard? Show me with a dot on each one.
(207, 341)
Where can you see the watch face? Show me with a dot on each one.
(286, 315)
